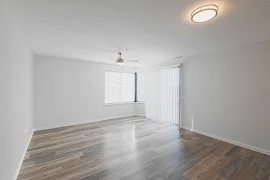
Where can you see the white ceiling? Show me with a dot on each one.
(153, 31)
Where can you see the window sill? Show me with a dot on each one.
(140, 102)
(123, 103)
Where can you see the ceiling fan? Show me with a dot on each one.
(120, 60)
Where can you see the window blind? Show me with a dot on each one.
(168, 96)
(119, 87)
(162, 96)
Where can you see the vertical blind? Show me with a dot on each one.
(168, 96)
(119, 87)
(163, 95)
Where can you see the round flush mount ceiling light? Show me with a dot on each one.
(204, 13)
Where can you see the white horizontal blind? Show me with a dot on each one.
(140, 86)
(112, 87)
(119, 87)
(127, 87)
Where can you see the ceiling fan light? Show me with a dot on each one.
(204, 13)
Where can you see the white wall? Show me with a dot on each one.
(140, 109)
(228, 94)
(16, 95)
(70, 91)
(151, 85)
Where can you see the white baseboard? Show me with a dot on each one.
(23, 155)
(253, 148)
(82, 122)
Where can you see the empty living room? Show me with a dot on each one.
(135, 89)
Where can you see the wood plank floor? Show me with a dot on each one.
(136, 148)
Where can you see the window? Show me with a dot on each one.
(119, 87)
(140, 87)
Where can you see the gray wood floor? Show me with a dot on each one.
(136, 148)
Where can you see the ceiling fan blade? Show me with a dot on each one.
(131, 60)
